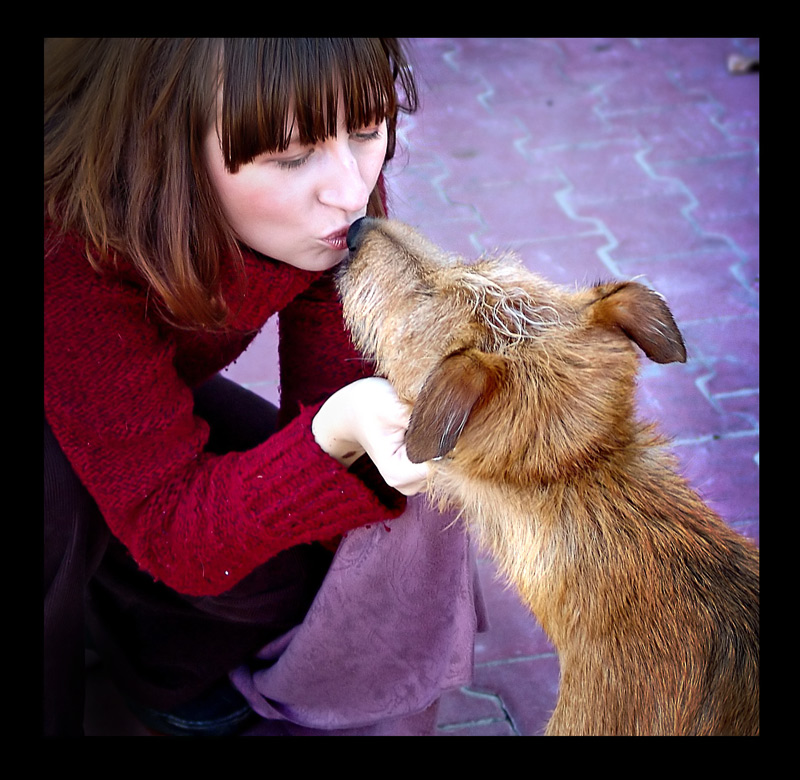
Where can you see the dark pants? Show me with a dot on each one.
(163, 650)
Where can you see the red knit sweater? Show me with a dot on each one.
(118, 397)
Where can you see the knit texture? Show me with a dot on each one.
(118, 398)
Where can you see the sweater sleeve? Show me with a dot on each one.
(124, 417)
(317, 358)
(315, 352)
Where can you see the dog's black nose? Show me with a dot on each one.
(355, 232)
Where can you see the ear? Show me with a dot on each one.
(643, 316)
(446, 401)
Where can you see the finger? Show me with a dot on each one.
(411, 478)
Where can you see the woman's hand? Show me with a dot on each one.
(368, 417)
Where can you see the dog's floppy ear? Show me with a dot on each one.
(446, 401)
(643, 316)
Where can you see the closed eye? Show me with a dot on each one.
(294, 163)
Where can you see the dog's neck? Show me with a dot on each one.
(545, 535)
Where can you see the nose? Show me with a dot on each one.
(355, 234)
(345, 187)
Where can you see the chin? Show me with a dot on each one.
(320, 263)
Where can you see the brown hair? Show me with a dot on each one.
(125, 121)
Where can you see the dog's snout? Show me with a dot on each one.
(355, 234)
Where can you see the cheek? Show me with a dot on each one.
(238, 194)
(250, 198)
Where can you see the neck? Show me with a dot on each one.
(565, 542)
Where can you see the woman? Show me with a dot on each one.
(194, 188)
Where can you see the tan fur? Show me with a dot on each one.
(523, 396)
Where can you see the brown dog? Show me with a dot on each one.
(523, 397)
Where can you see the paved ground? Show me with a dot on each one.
(592, 158)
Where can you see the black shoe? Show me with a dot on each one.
(222, 712)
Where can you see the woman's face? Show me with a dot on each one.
(295, 206)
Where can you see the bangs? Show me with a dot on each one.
(273, 87)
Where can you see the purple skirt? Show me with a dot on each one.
(391, 628)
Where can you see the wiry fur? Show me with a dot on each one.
(523, 397)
